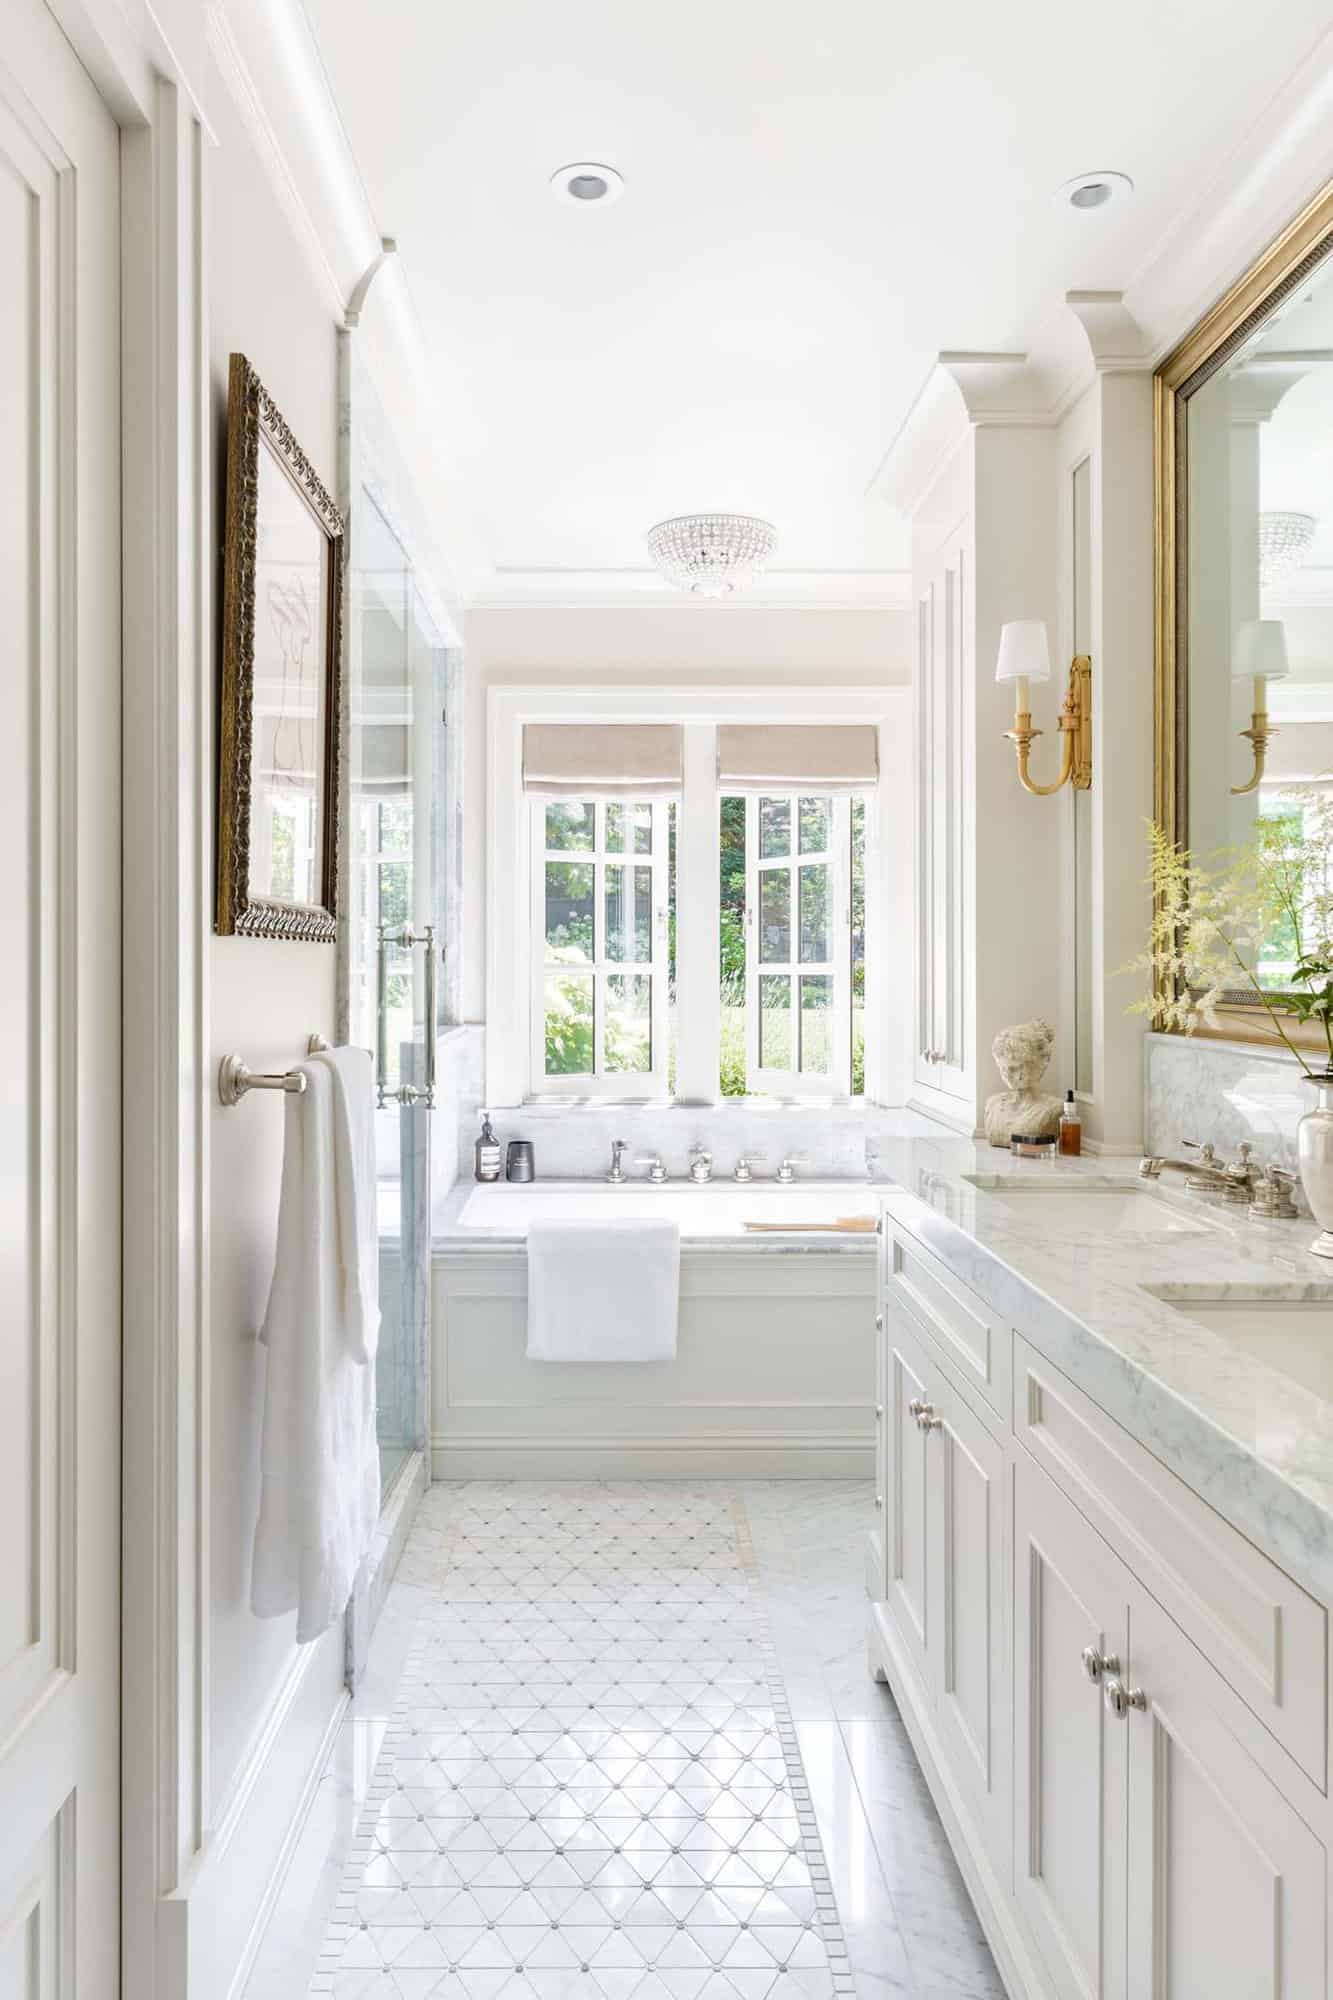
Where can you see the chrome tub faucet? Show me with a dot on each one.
(619, 1148)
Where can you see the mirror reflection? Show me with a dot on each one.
(1259, 569)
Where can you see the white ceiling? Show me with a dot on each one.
(818, 199)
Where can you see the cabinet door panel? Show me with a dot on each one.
(1227, 1884)
(971, 1623)
(1070, 1756)
(907, 1531)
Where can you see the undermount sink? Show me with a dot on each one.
(1291, 1332)
(1093, 1202)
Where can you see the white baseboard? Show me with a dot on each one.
(1015, 1959)
(782, 1456)
(219, 1913)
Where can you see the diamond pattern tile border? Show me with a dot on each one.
(591, 1788)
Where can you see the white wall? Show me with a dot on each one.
(265, 997)
(689, 646)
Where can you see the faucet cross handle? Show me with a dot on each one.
(701, 1164)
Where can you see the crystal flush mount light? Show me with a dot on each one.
(1283, 540)
(711, 554)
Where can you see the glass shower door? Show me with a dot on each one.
(396, 663)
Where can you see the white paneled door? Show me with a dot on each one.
(60, 1016)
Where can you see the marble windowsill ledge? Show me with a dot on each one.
(1249, 1440)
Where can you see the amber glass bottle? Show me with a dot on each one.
(1071, 1128)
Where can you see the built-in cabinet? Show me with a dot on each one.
(1121, 1799)
(942, 1060)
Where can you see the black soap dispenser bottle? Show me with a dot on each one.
(487, 1152)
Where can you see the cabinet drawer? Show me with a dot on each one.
(975, 1340)
(1266, 1637)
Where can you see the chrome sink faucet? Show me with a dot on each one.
(701, 1165)
(1236, 1179)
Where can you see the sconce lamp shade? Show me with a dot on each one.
(1260, 651)
(1024, 653)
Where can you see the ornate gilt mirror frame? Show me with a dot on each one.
(1285, 265)
(254, 425)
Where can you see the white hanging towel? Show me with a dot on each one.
(603, 1291)
(319, 1498)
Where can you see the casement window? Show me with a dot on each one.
(600, 945)
(798, 944)
(688, 910)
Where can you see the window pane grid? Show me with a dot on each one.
(602, 880)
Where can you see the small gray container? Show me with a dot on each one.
(519, 1163)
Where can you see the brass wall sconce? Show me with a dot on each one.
(1024, 657)
(1260, 655)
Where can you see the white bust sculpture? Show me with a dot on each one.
(1022, 1055)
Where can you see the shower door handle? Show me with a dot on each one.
(407, 1093)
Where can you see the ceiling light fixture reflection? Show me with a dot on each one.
(711, 555)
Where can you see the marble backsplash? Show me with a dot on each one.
(572, 1139)
(1226, 1092)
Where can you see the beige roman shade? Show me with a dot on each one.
(629, 760)
(797, 757)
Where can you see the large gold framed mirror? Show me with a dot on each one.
(1244, 580)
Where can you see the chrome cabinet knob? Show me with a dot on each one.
(1096, 1663)
(879, 1322)
(879, 1413)
(924, 1413)
(1119, 1699)
(879, 1500)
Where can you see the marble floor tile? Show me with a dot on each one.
(618, 1742)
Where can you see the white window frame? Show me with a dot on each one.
(601, 968)
(837, 859)
(501, 898)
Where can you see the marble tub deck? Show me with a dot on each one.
(903, 1914)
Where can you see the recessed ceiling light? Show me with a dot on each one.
(1095, 190)
(586, 183)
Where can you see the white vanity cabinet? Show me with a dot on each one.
(1140, 1809)
(944, 1569)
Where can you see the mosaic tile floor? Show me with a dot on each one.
(511, 1614)
(591, 1785)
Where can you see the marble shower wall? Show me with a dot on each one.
(1223, 1091)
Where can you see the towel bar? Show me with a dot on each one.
(235, 1076)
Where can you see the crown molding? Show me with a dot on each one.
(1275, 170)
(967, 389)
(623, 589)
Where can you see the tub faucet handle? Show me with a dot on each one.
(741, 1171)
(701, 1164)
(653, 1161)
(791, 1161)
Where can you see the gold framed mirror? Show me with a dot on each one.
(1244, 578)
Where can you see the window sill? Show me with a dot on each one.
(550, 1101)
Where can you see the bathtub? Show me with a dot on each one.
(717, 1211)
(774, 1374)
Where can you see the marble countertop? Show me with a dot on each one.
(1248, 1439)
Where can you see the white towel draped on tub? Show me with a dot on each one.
(319, 1500)
(603, 1291)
